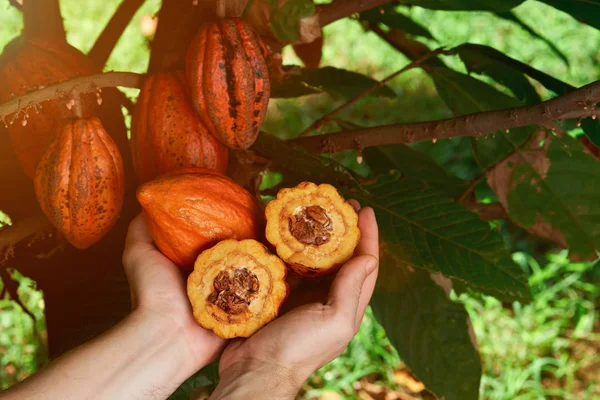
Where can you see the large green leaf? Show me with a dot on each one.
(510, 16)
(429, 331)
(414, 164)
(484, 5)
(567, 196)
(342, 83)
(389, 16)
(423, 227)
(285, 20)
(587, 11)
(465, 95)
(470, 53)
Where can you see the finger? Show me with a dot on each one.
(369, 235)
(365, 296)
(355, 204)
(346, 290)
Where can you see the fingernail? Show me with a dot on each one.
(371, 265)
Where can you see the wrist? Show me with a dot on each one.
(257, 379)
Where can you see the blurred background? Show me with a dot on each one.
(548, 349)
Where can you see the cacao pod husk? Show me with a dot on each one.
(229, 80)
(167, 133)
(192, 209)
(80, 182)
(26, 65)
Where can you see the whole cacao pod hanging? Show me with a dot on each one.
(79, 182)
(229, 81)
(26, 65)
(167, 133)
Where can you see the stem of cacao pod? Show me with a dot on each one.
(42, 18)
(221, 9)
(77, 105)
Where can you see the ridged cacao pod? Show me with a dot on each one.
(192, 209)
(168, 134)
(229, 81)
(80, 182)
(25, 65)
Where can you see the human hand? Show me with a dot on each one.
(158, 293)
(280, 357)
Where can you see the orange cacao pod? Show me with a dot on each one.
(80, 182)
(168, 134)
(26, 65)
(229, 81)
(191, 209)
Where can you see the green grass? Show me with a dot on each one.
(545, 349)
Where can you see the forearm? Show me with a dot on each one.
(255, 380)
(138, 359)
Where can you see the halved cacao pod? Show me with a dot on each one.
(192, 209)
(168, 134)
(313, 228)
(26, 65)
(237, 288)
(229, 81)
(80, 182)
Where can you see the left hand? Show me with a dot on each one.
(158, 292)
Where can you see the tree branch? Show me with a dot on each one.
(344, 8)
(112, 32)
(66, 89)
(579, 103)
(16, 4)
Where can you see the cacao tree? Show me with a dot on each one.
(531, 137)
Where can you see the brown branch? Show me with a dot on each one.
(42, 18)
(318, 123)
(112, 32)
(68, 88)
(578, 103)
(16, 4)
(344, 8)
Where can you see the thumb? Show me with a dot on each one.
(344, 296)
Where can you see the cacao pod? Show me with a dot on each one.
(229, 81)
(168, 134)
(26, 65)
(313, 228)
(190, 210)
(80, 182)
(237, 287)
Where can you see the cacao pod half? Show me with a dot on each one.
(168, 134)
(80, 182)
(25, 65)
(192, 209)
(229, 81)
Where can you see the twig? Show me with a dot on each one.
(318, 123)
(344, 8)
(66, 89)
(112, 32)
(578, 103)
(16, 4)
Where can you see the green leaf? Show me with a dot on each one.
(389, 16)
(416, 165)
(292, 85)
(465, 95)
(469, 5)
(590, 127)
(510, 16)
(587, 11)
(285, 20)
(206, 377)
(423, 227)
(575, 211)
(342, 83)
(515, 80)
(429, 331)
